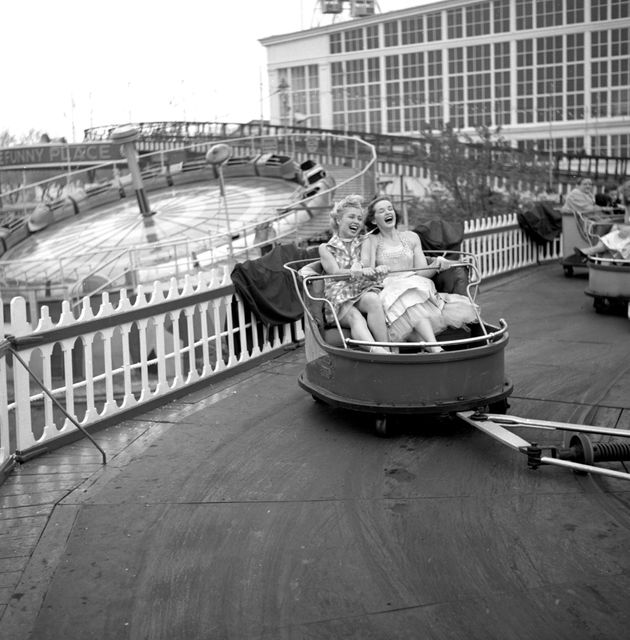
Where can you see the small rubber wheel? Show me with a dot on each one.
(380, 426)
(316, 399)
(568, 272)
(599, 303)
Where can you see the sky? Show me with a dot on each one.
(71, 64)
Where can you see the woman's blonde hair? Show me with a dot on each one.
(353, 201)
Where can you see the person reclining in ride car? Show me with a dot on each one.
(617, 240)
(410, 299)
(351, 297)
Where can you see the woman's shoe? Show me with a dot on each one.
(379, 350)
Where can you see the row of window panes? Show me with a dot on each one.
(349, 80)
(480, 109)
(616, 145)
(549, 81)
(299, 92)
(483, 18)
(549, 78)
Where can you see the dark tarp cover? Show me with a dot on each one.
(541, 222)
(445, 235)
(439, 234)
(267, 289)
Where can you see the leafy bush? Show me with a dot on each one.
(475, 177)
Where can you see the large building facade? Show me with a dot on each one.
(552, 74)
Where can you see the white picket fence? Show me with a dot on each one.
(123, 356)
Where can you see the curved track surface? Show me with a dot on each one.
(249, 511)
(188, 212)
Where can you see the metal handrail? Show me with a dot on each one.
(295, 266)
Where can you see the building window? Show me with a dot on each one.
(575, 145)
(620, 145)
(619, 9)
(374, 94)
(413, 92)
(549, 79)
(610, 74)
(575, 11)
(353, 40)
(599, 44)
(599, 144)
(478, 19)
(298, 92)
(524, 15)
(355, 95)
(456, 88)
(454, 22)
(501, 11)
(479, 91)
(338, 95)
(575, 76)
(599, 10)
(313, 96)
(620, 102)
(391, 33)
(371, 37)
(619, 42)
(297, 83)
(619, 73)
(434, 27)
(435, 116)
(392, 93)
(548, 13)
(502, 92)
(524, 81)
(412, 30)
(334, 43)
(351, 94)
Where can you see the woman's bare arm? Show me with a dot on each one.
(368, 254)
(329, 264)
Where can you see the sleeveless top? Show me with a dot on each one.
(396, 258)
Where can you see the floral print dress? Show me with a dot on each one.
(344, 294)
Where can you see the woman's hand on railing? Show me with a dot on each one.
(442, 264)
(356, 270)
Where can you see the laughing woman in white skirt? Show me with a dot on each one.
(410, 300)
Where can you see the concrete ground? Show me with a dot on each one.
(249, 511)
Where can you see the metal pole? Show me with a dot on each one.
(126, 136)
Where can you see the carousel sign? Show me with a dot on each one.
(55, 154)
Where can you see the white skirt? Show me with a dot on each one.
(407, 299)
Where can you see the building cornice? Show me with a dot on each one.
(365, 21)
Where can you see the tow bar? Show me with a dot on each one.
(581, 454)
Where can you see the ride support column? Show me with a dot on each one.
(127, 136)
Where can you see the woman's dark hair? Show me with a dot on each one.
(370, 225)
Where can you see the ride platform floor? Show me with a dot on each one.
(248, 511)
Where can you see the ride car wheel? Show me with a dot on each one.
(380, 426)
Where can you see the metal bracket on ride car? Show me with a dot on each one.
(580, 455)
